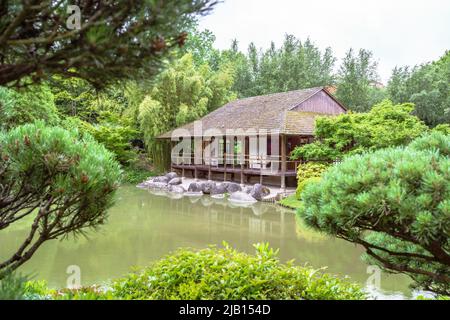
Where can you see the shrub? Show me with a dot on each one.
(385, 125)
(12, 287)
(63, 181)
(306, 171)
(443, 128)
(132, 174)
(224, 273)
(301, 186)
(115, 133)
(26, 106)
(396, 204)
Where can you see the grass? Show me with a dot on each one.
(290, 202)
(136, 175)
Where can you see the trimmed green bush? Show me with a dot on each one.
(27, 106)
(306, 171)
(63, 182)
(224, 273)
(301, 186)
(385, 125)
(395, 203)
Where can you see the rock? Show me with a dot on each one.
(219, 188)
(162, 179)
(248, 189)
(176, 189)
(259, 191)
(240, 196)
(207, 187)
(174, 181)
(157, 185)
(233, 187)
(143, 185)
(171, 175)
(195, 187)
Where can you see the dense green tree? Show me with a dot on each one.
(295, 65)
(64, 182)
(385, 125)
(27, 105)
(356, 79)
(427, 86)
(111, 40)
(200, 44)
(181, 94)
(242, 75)
(443, 128)
(115, 133)
(74, 97)
(395, 203)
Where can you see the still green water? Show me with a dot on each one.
(143, 227)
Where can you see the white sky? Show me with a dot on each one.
(398, 32)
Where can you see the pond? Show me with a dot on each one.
(143, 227)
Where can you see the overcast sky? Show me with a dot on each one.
(398, 32)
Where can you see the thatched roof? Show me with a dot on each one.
(271, 112)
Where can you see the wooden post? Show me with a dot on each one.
(283, 162)
(224, 150)
(242, 175)
(260, 172)
(225, 168)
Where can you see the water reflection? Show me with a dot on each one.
(145, 226)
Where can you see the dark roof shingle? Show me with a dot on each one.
(270, 112)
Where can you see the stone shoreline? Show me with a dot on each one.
(235, 192)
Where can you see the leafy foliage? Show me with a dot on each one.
(356, 81)
(224, 273)
(301, 185)
(113, 41)
(308, 172)
(182, 93)
(443, 128)
(74, 97)
(12, 287)
(394, 202)
(427, 86)
(27, 105)
(115, 133)
(383, 126)
(295, 65)
(64, 182)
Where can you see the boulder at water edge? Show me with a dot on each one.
(233, 187)
(162, 179)
(259, 191)
(174, 181)
(218, 188)
(171, 175)
(176, 189)
(243, 197)
(195, 187)
(157, 185)
(207, 186)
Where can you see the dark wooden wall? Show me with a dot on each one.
(321, 103)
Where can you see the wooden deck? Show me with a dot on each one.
(234, 169)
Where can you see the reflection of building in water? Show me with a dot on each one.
(259, 218)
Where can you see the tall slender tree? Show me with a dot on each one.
(356, 78)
